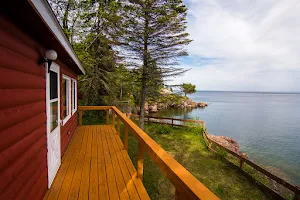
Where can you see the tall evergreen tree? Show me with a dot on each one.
(90, 26)
(153, 39)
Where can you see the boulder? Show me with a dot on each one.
(202, 104)
(161, 106)
(194, 104)
(184, 104)
(153, 108)
(146, 106)
(227, 142)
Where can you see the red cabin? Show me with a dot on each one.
(38, 101)
(38, 118)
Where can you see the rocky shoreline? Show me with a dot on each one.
(227, 142)
(153, 107)
(235, 147)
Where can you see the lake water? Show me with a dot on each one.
(266, 125)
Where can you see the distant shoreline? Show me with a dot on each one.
(265, 92)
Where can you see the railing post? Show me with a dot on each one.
(80, 117)
(296, 197)
(140, 164)
(148, 119)
(118, 125)
(107, 116)
(113, 119)
(179, 195)
(172, 122)
(241, 163)
(126, 137)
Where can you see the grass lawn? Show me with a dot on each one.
(188, 148)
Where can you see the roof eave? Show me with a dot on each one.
(44, 10)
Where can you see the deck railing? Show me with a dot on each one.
(186, 185)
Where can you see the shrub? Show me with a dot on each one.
(161, 129)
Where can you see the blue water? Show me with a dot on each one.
(266, 125)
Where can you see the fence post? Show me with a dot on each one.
(126, 137)
(241, 163)
(140, 164)
(148, 119)
(80, 117)
(296, 197)
(172, 122)
(107, 116)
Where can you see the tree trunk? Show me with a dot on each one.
(121, 91)
(66, 20)
(142, 103)
(145, 67)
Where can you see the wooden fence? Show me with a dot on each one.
(170, 121)
(209, 142)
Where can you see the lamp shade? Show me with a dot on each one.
(51, 54)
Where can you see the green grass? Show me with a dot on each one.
(188, 148)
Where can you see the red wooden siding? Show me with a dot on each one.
(23, 139)
(67, 129)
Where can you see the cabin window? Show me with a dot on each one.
(74, 96)
(53, 85)
(66, 98)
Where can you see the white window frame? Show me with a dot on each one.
(74, 96)
(69, 82)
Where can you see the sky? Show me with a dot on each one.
(243, 45)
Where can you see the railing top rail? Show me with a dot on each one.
(177, 174)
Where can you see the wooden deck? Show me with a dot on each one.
(96, 166)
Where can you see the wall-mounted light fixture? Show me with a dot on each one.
(50, 56)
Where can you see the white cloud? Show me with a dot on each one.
(255, 45)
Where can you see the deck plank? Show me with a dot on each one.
(111, 181)
(53, 192)
(85, 181)
(138, 183)
(96, 166)
(94, 184)
(75, 187)
(64, 192)
(132, 191)
(103, 188)
(116, 167)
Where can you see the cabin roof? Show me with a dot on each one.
(36, 18)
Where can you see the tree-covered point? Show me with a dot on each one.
(188, 88)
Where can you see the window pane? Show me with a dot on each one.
(53, 85)
(53, 115)
(65, 98)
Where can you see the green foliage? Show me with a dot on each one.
(145, 36)
(188, 88)
(153, 39)
(160, 129)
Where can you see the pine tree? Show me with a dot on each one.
(188, 88)
(153, 39)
